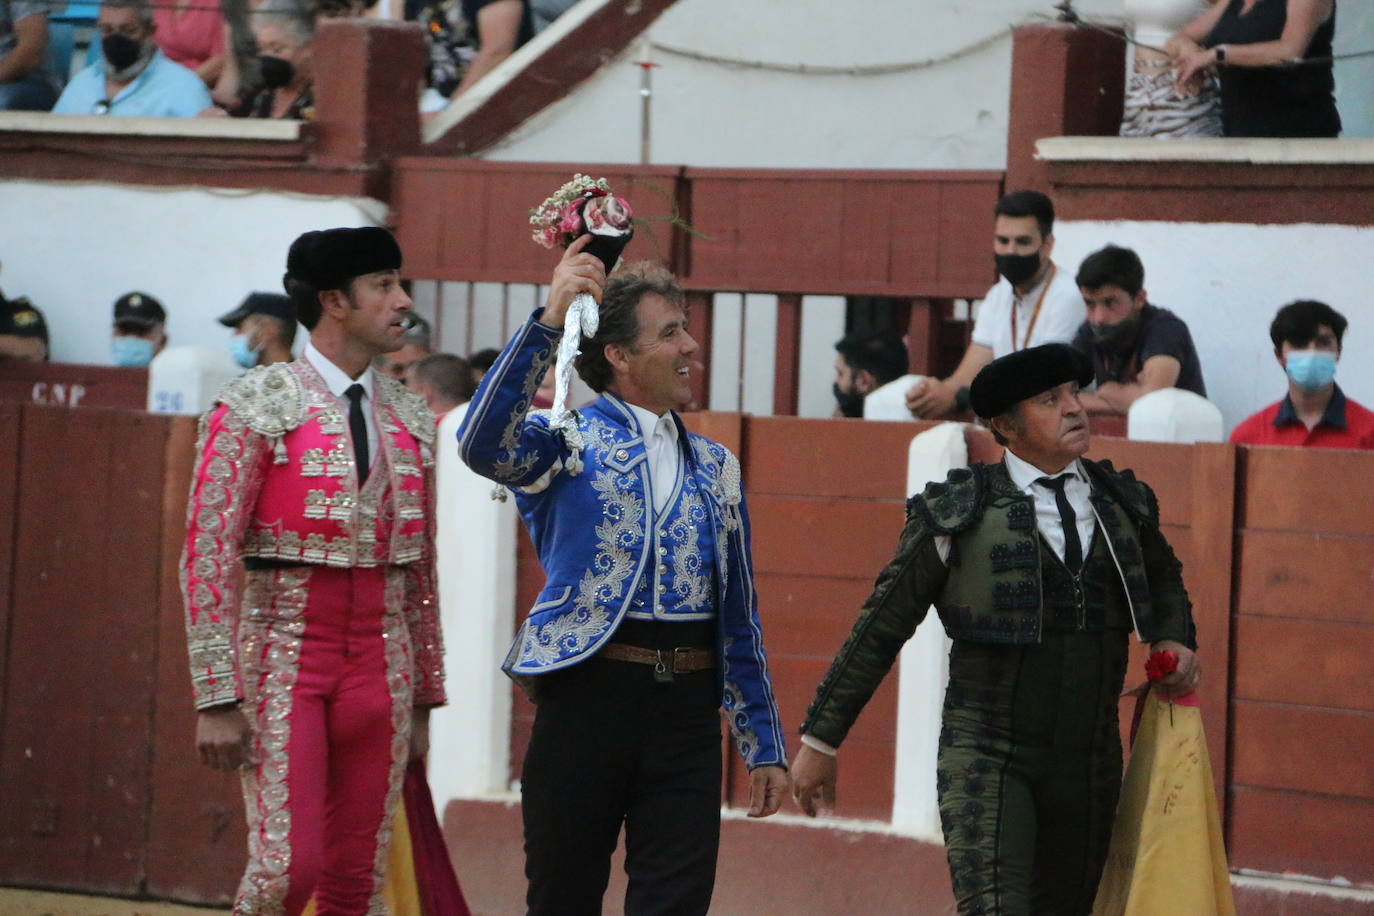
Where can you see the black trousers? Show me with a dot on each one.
(612, 746)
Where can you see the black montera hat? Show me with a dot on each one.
(1006, 382)
(274, 304)
(140, 311)
(329, 258)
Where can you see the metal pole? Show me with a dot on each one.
(646, 95)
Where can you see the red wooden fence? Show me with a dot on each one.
(100, 786)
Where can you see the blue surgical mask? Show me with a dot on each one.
(244, 355)
(1310, 370)
(131, 351)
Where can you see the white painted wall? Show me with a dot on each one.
(1227, 281)
(951, 114)
(73, 248)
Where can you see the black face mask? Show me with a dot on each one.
(276, 71)
(1017, 268)
(120, 51)
(1117, 336)
(851, 402)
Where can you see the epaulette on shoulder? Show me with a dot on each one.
(410, 407)
(721, 462)
(1133, 494)
(270, 400)
(953, 505)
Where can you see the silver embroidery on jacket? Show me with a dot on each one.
(732, 700)
(622, 528)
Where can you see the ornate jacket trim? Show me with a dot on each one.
(269, 399)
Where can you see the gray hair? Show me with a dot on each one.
(143, 8)
(291, 15)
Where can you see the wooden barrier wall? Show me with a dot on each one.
(98, 776)
(101, 790)
(1302, 777)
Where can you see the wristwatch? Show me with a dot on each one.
(1220, 51)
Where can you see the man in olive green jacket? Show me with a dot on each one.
(1039, 566)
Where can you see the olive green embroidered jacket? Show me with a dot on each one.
(990, 591)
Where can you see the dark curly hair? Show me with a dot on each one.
(619, 319)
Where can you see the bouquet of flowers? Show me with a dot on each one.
(584, 205)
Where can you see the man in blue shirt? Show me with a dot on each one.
(132, 77)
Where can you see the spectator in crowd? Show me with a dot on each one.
(23, 332)
(191, 33)
(1135, 347)
(264, 330)
(863, 363)
(284, 34)
(1153, 106)
(417, 343)
(24, 81)
(140, 329)
(1251, 44)
(1307, 343)
(481, 361)
(500, 26)
(1034, 303)
(132, 77)
(443, 380)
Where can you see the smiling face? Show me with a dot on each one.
(1049, 430)
(655, 371)
(377, 307)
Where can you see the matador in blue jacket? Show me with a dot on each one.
(647, 624)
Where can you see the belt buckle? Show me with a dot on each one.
(663, 674)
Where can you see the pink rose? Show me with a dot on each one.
(570, 222)
(608, 215)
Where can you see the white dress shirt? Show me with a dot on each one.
(1061, 313)
(665, 458)
(338, 382)
(1047, 518)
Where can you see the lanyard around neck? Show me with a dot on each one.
(1035, 313)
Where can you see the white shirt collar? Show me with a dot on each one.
(648, 421)
(1023, 473)
(335, 378)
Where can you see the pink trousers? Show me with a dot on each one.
(326, 664)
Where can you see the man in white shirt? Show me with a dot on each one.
(308, 575)
(1039, 566)
(648, 622)
(1033, 303)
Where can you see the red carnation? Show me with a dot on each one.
(1160, 665)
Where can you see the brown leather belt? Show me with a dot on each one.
(675, 661)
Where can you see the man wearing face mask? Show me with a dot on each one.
(132, 77)
(1033, 303)
(140, 330)
(1315, 412)
(863, 364)
(264, 329)
(1135, 347)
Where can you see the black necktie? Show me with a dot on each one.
(1073, 547)
(358, 427)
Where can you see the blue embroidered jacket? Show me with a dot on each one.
(605, 555)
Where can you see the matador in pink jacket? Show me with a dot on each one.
(309, 582)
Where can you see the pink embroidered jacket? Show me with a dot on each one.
(275, 479)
